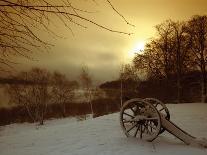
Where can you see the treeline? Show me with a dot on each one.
(178, 48)
(39, 94)
(177, 53)
(166, 89)
(36, 89)
(162, 89)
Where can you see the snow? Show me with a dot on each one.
(102, 136)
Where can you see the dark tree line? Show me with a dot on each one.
(44, 89)
(177, 49)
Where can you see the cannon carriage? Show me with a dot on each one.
(147, 118)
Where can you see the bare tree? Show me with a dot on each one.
(157, 59)
(34, 96)
(121, 85)
(62, 91)
(167, 54)
(128, 73)
(181, 53)
(154, 62)
(22, 19)
(86, 82)
(197, 29)
(165, 45)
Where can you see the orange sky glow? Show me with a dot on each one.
(103, 51)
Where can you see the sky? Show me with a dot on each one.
(102, 51)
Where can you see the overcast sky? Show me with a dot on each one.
(102, 51)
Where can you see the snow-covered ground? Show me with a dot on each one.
(102, 136)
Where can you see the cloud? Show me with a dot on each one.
(104, 51)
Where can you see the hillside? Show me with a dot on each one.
(101, 136)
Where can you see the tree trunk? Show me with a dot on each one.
(178, 89)
(203, 70)
(178, 67)
(90, 102)
(178, 77)
(203, 96)
(41, 121)
(121, 95)
(63, 110)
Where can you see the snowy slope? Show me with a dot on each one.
(102, 136)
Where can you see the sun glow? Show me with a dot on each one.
(137, 48)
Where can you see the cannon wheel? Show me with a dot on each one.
(161, 107)
(140, 119)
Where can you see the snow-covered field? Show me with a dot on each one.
(102, 136)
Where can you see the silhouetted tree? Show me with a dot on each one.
(181, 53)
(167, 54)
(165, 46)
(128, 73)
(151, 61)
(158, 57)
(197, 29)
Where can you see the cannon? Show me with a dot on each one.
(149, 117)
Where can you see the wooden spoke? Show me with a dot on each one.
(128, 115)
(140, 132)
(146, 127)
(138, 117)
(132, 127)
(135, 134)
(132, 110)
(143, 128)
(152, 126)
(162, 109)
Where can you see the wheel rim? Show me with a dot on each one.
(161, 108)
(140, 119)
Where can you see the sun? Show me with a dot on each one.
(137, 48)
